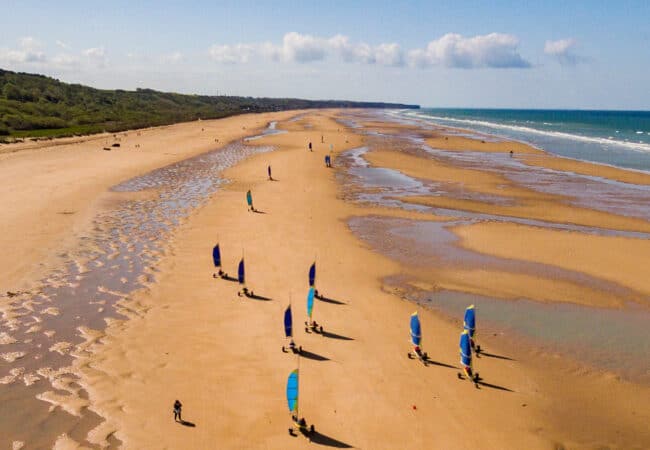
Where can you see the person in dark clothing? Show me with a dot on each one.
(269, 171)
(310, 147)
(177, 411)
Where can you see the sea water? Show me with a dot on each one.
(618, 138)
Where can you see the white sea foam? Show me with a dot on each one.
(638, 146)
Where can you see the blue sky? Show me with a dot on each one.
(591, 54)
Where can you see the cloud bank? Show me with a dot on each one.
(29, 53)
(495, 50)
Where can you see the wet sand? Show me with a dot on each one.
(77, 265)
(187, 335)
(52, 187)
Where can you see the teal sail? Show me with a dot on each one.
(310, 302)
(292, 392)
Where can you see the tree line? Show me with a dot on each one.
(34, 105)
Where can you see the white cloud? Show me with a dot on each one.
(563, 51)
(389, 55)
(305, 48)
(302, 48)
(96, 56)
(384, 54)
(231, 54)
(62, 44)
(29, 51)
(495, 50)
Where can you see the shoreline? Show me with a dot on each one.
(629, 145)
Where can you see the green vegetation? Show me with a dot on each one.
(39, 106)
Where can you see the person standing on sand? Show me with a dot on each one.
(310, 147)
(177, 411)
(269, 171)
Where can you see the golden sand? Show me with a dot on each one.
(220, 354)
(190, 337)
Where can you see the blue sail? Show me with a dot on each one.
(288, 322)
(310, 302)
(216, 256)
(292, 391)
(416, 331)
(469, 323)
(312, 275)
(240, 272)
(465, 349)
(249, 198)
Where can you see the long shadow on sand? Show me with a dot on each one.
(322, 298)
(258, 297)
(185, 423)
(229, 278)
(492, 355)
(494, 386)
(331, 335)
(258, 211)
(320, 438)
(313, 356)
(441, 364)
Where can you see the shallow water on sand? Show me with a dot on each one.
(571, 330)
(616, 340)
(566, 329)
(44, 330)
(385, 187)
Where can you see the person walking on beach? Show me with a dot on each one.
(177, 411)
(269, 171)
(310, 147)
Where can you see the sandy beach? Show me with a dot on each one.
(186, 335)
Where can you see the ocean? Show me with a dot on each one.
(617, 138)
